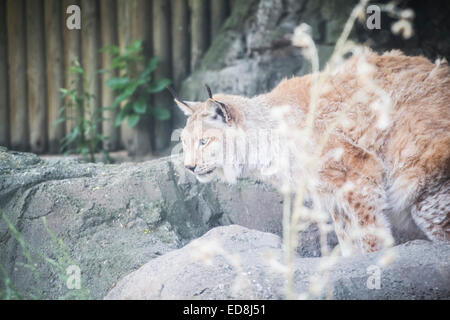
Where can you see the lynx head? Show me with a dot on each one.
(205, 134)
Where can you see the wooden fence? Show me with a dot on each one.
(36, 48)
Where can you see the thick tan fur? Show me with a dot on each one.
(394, 164)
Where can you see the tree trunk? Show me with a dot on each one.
(55, 71)
(161, 47)
(37, 103)
(4, 109)
(91, 59)
(125, 37)
(17, 74)
(108, 18)
(199, 34)
(72, 52)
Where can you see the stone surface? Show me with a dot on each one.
(252, 53)
(234, 262)
(114, 218)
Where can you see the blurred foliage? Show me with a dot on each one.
(83, 138)
(133, 88)
(134, 85)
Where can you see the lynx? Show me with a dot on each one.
(386, 169)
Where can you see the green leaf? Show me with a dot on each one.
(134, 47)
(158, 85)
(133, 120)
(160, 113)
(112, 50)
(117, 82)
(76, 70)
(64, 92)
(127, 92)
(107, 108)
(58, 121)
(117, 64)
(122, 114)
(140, 106)
(71, 136)
(84, 150)
(152, 64)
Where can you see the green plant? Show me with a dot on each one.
(80, 108)
(7, 291)
(32, 259)
(134, 84)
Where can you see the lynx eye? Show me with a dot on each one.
(204, 141)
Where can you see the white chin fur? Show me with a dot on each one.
(229, 174)
(205, 178)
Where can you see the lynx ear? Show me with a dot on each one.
(219, 113)
(185, 106)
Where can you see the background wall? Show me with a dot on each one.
(252, 53)
(36, 49)
(238, 47)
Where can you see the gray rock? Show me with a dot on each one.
(114, 218)
(111, 219)
(217, 257)
(234, 262)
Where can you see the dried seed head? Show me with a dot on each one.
(302, 36)
(407, 14)
(403, 27)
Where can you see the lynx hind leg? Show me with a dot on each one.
(359, 220)
(432, 212)
(361, 226)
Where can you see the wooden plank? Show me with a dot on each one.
(199, 31)
(161, 48)
(219, 12)
(4, 107)
(124, 17)
(134, 24)
(55, 71)
(72, 52)
(15, 21)
(180, 41)
(108, 20)
(181, 56)
(37, 102)
(90, 46)
(232, 4)
(141, 133)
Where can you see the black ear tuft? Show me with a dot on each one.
(209, 91)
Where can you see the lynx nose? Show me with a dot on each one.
(191, 168)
